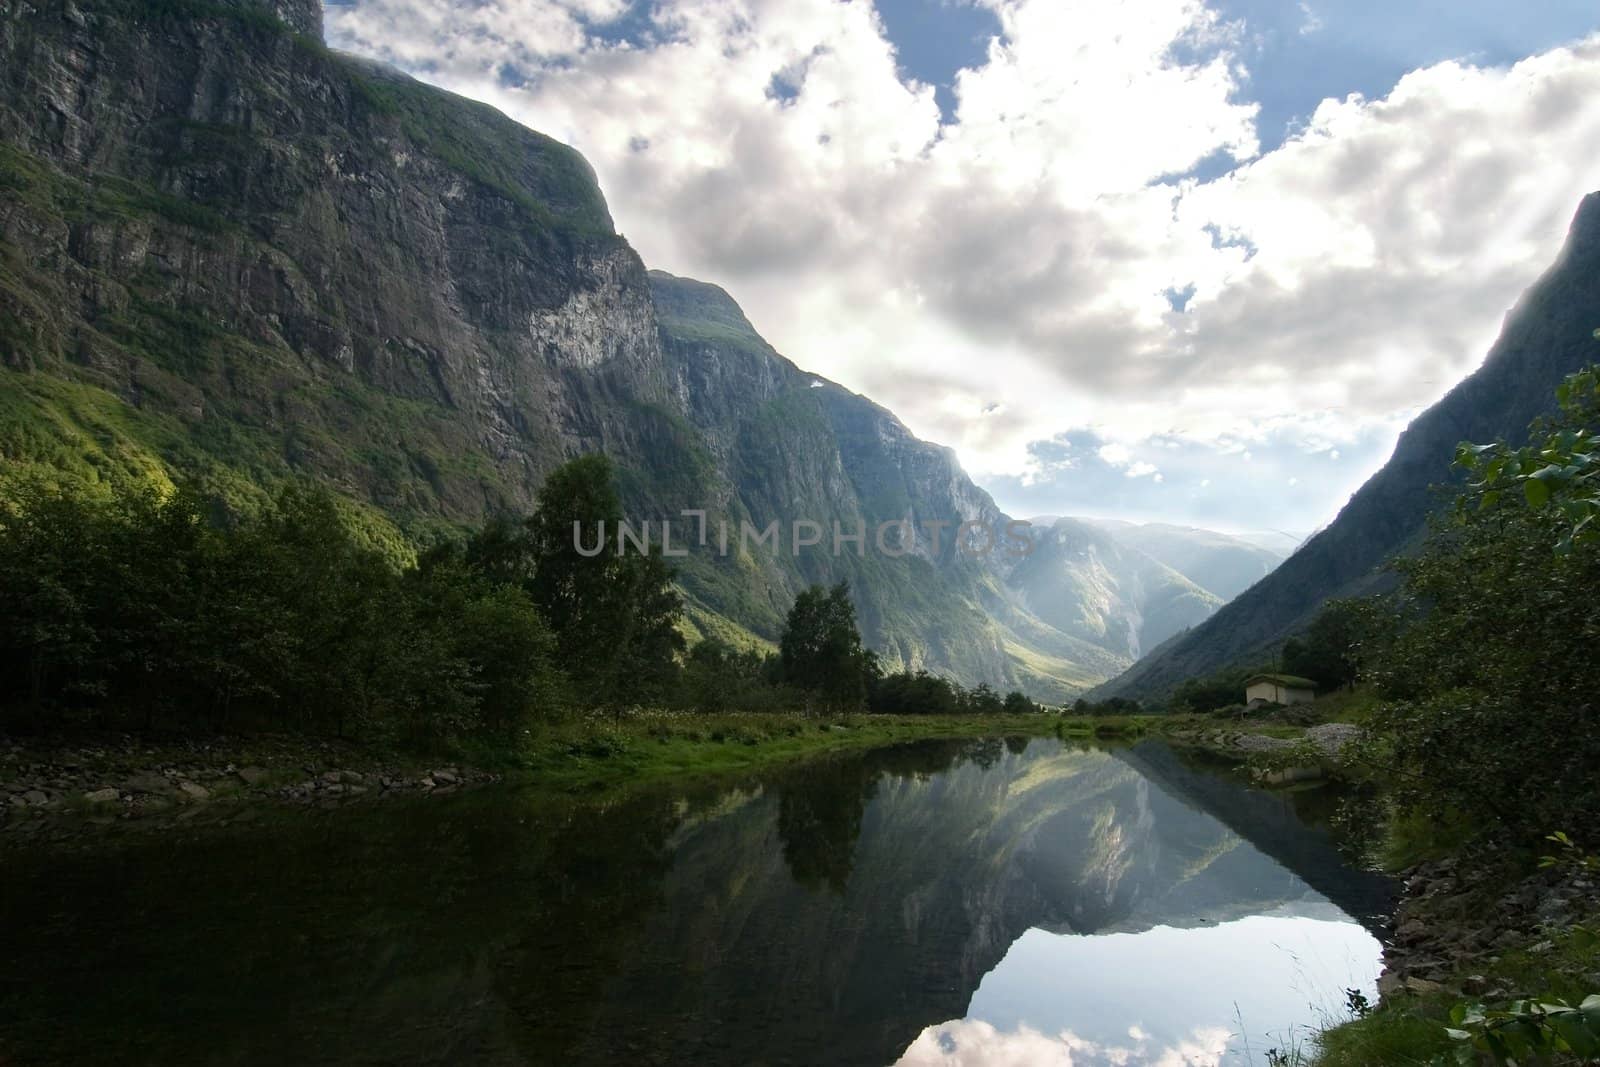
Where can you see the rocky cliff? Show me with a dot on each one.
(1547, 336)
(282, 261)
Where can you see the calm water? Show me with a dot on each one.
(942, 903)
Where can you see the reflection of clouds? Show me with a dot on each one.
(975, 1043)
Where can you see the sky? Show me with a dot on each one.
(1196, 261)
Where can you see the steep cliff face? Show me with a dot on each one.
(792, 446)
(1547, 336)
(284, 260)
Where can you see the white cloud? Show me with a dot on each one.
(1020, 255)
(976, 1043)
(1311, 22)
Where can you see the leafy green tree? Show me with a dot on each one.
(915, 693)
(984, 701)
(615, 615)
(1223, 689)
(718, 677)
(1341, 640)
(1017, 703)
(1559, 471)
(1492, 683)
(821, 648)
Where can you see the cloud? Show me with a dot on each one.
(1311, 22)
(1004, 273)
(975, 1043)
(1279, 476)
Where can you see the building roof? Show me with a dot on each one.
(1288, 681)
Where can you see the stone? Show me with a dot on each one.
(35, 797)
(252, 775)
(353, 778)
(1411, 930)
(194, 791)
(1291, 775)
(449, 777)
(1423, 986)
(147, 783)
(102, 796)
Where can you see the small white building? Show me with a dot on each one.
(1279, 689)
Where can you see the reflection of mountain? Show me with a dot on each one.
(827, 914)
(1272, 823)
(745, 964)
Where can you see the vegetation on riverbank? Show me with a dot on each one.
(1479, 719)
(168, 612)
(116, 776)
(600, 752)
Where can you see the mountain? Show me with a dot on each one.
(1547, 336)
(792, 443)
(1222, 564)
(233, 256)
(1087, 582)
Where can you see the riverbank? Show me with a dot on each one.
(1478, 928)
(55, 785)
(1474, 927)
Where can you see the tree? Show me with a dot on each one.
(1017, 703)
(915, 693)
(821, 648)
(1491, 685)
(984, 700)
(1223, 689)
(615, 616)
(1560, 472)
(1338, 642)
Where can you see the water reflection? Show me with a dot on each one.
(1206, 995)
(999, 893)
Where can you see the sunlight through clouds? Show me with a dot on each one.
(1020, 254)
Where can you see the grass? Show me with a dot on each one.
(1411, 1030)
(1346, 705)
(1397, 1034)
(598, 753)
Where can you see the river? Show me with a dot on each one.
(964, 902)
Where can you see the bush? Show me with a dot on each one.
(1490, 689)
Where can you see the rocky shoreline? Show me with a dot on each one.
(1457, 918)
(45, 785)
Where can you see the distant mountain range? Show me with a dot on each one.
(1224, 565)
(232, 256)
(1547, 336)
